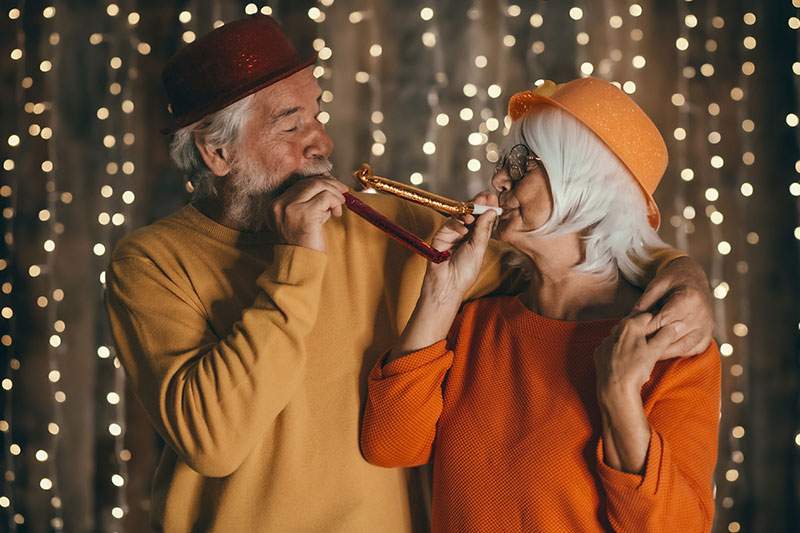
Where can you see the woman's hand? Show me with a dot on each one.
(625, 359)
(624, 362)
(447, 282)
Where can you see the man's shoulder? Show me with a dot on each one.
(153, 240)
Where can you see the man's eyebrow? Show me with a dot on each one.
(291, 110)
(285, 113)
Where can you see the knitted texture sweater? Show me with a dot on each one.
(250, 358)
(506, 410)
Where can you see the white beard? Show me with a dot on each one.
(252, 190)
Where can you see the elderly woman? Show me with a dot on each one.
(556, 409)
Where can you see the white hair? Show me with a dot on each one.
(218, 129)
(593, 195)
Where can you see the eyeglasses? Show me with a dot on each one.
(518, 162)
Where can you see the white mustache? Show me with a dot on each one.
(323, 166)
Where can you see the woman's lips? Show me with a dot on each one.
(508, 211)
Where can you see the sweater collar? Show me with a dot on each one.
(213, 229)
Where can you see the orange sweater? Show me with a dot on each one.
(506, 408)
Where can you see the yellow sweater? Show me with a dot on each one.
(251, 360)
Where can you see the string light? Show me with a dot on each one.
(683, 226)
(438, 118)
(738, 367)
(584, 67)
(375, 51)
(794, 186)
(38, 97)
(638, 60)
(116, 119)
(8, 193)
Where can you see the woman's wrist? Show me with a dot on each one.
(626, 430)
(438, 292)
(618, 396)
(429, 323)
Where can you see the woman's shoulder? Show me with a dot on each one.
(486, 308)
(702, 370)
(481, 316)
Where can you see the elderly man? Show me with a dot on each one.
(247, 320)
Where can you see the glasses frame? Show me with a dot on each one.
(518, 162)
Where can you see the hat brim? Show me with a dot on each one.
(234, 96)
(523, 104)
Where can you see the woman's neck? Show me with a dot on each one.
(558, 291)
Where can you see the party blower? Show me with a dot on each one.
(437, 202)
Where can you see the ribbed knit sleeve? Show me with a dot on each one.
(674, 492)
(212, 398)
(404, 403)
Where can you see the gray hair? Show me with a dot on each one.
(593, 194)
(218, 129)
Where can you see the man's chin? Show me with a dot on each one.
(285, 185)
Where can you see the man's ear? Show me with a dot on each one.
(216, 159)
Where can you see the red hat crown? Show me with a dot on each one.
(233, 61)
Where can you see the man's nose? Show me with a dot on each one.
(320, 144)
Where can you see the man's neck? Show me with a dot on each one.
(217, 210)
(212, 208)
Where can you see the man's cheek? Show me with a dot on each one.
(283, 160)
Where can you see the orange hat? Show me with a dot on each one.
(614, 117)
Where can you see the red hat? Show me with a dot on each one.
(233, 61)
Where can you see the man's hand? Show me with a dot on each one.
(299, 213)
(682, 292)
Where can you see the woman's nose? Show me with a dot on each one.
(501, 182)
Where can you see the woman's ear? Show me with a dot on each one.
(216, 159)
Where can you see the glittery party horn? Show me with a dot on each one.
(398, 233)
(419, 196)
(440, 203)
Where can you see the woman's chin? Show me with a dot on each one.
(502, 231)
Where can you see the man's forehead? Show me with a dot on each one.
(296, 89)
